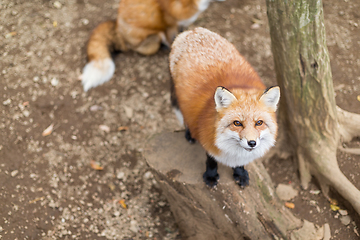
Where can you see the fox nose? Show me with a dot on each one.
(251, 143)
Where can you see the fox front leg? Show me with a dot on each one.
(211, 175)
(241, 176)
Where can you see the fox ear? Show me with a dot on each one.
(223, 98)
(271, 97)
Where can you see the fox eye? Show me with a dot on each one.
(237, 123)
(259, 123)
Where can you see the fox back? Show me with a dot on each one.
(141, 26)
(223, 101)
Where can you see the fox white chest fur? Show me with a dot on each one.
(223, 102)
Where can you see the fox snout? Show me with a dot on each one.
(249, 138)
(251, 143)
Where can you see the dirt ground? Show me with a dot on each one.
(48, 189)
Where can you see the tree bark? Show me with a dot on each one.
(224, 212)
(309, 118)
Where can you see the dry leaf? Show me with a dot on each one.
(36, 200)
(333, 201)
(111, 186)
(48, 130)
(123, 204)
(95, 165)
(25, 103)
(10, 34)
(104, 128)
(123, 128)
(289, 205)
(334, 207)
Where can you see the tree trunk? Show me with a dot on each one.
(224, 212)
(309, 119)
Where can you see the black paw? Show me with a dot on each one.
(210, 180)
(188, 136)
(211, 175)
(241, 176)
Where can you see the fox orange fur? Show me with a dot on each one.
(141, 26)
(222, 101)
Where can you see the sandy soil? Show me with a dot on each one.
(48, 188)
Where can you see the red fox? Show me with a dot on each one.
(141, 26)
(222, 102)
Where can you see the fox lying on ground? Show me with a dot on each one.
(141, 26)
(222, 102)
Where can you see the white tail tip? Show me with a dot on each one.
(97, 72)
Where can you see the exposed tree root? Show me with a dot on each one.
(349, 128)
(349, 124)
(326, 169)
(350, 150)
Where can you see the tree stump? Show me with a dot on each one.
(223, 212)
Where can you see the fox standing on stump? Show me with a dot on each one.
(222, 102)
(141, 26)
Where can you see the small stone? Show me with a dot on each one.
(162, 203)
(54, 82)
(327, 232)
(7, 102)
(33, 176)
(14, 173)
(85, 21)
(120, 175)
(26, 113)
(57, 4)
(345, 220)
(1, 229)
(255, 26)
(308, 231)
(343, 212)
(95, 108)
(104, 128)
(148, 175)
(128, 111)
(134, 226)
(286, 192)
(315, 192)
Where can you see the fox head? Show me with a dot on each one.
(246, 126)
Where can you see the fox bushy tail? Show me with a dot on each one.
(100, 67)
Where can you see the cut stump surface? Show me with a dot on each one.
(223, 212)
